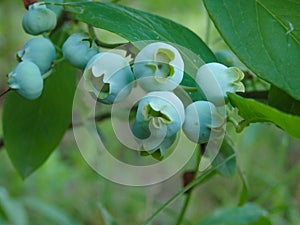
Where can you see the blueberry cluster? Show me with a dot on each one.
(158, 69)
(38, 55)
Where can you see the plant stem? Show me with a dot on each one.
(5, 92)
(92, 32)
(187, 88)
(269, 191)
(203, 177)
(47, 74)
(98, 118)
(59, 60)
(27, 3)
(234, 122)
(189, 193)
(183, 210)
(1, 143)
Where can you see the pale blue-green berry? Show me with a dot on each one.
(201, 117)
(40, 51)
(158, 67)
(78, 49)
(159, 117)
(27, 80)
(56, 8)
(39, 19)
(160, 151)
(108, 76)
(215, 80)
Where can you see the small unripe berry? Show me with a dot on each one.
(56, 8)
(39, 19)
(108, 76)
(159, 151)
(159, 117)
(216, 80)
(27, 80)
(158, 67)
(40, 51)
(200, 118)
(78, 49)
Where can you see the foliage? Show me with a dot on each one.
(38, 125)
(263, 34)
(265, 37)
(245, 214)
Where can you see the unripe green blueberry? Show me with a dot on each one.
(39, 19)
(216, 80)
(40, 51)
(78, 49)
(160, 151)
(109, 77)
(56, 8)
(201, 118)
(158, 67)
(159, 117)
(26, 78)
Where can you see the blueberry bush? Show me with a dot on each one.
(177, 95)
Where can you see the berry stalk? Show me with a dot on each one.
(189, 191)
(5, 92)
(27, 3)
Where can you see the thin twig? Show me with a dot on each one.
(98, 118)
(27, 3)
(5, 92)
(189, 89)
(1, 143)
(189, 192)
(198, 180)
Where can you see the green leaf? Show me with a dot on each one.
(262, 221)
(33, 129)
(265, 35)
(49, 212)
(108, 219)
(205, 176)
(227, 169)
(244, 192)
(253, 111)
(245, 214)
(14, 211)
(282, 101)
(136, 25)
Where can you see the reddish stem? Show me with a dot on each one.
(3, 93)
(27, 3)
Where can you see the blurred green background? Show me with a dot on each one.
(65, 190)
